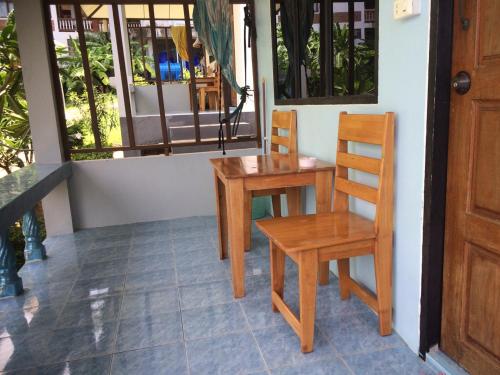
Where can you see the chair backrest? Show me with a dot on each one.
(285, 120)
(371, 129)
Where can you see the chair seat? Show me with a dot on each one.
(298, 233)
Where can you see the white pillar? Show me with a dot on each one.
(42, 107)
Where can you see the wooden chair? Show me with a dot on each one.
(284, 120)
(212, 92)
(340, 234)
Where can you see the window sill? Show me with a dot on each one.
(336, 100)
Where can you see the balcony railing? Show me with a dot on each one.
(69, 25)
(19, 193)
(370, 15)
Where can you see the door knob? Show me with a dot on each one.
(461, 83)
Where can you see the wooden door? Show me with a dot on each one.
(470, 331)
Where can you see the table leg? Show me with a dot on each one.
(248, 220)
(220, 198)
(324, 180)
(293, 201)
(235, 198)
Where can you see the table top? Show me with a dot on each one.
(269, 165)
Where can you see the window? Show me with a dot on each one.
(132, 79)
(5, 8)
(324, 52)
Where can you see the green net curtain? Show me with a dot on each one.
(212, 21)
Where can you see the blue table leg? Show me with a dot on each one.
(34, 249)
(10, 283)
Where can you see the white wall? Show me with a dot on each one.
(131, 190)
(403, 62)
(175, 99)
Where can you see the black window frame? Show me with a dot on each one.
(326, 21)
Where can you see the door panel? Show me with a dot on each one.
(482, 318)
(471, 293)
(485, 195)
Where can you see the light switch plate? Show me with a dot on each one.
(406, 8)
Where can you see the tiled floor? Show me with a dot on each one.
(154, 299)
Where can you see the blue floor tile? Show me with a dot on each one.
(151, 280)
(106, 254)
(132, 299)
(90, 366)
(90, 312)
(104, 269)
(213, 321)
(166, 360)
(53, 294)
(143, 332)
(356, 334)
(230, 354)
(141, 304)
(204, 273)
(396, 361)
(19, 322)
(196, 257)
(97, 288)
(260, 314)
(281, 347)
(200, 295)
(332, 366)
(151, 263)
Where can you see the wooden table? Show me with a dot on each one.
(236, 177)
(206, 81)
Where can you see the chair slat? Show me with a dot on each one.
(280, 140)
(283, 120)
(358, 190)
(362, 128)
(362, 163)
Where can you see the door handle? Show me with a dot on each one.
(461, 83)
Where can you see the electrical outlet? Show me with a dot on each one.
(406, 8)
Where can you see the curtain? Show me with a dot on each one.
(293, 13)
(179, 37)
(212, 20)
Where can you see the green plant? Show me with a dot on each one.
(100, 58)
(107, 118)
(364, 71)
(142, 65)
(15, 136)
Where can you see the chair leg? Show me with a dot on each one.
(203, 103)
(276, 205)
(277, 271)
(308, 279)
(324, 273)
(383, 275)
(344, 276)
(248, 221)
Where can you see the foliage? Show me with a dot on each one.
(100, 59)
(15, 136)
(107, 117)
(364, 71)
(142, 66)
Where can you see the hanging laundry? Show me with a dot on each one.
(179, 38)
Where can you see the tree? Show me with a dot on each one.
(364, 71)
(15, 135)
